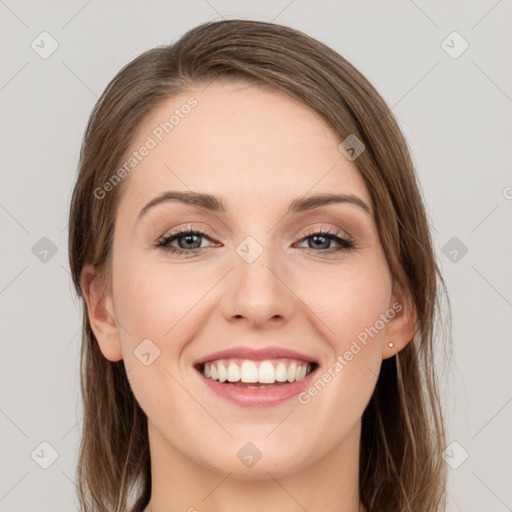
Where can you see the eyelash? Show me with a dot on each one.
(345, 243)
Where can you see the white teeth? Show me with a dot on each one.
(223, 373)
(292, 372)
(263, 372)
(248, 372)
(233, 372)
(281, 373)
(266, 373)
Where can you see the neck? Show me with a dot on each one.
(330, 484)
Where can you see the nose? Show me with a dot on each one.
(256, 292)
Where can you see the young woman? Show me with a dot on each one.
(260, 287)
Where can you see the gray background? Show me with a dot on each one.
(455, 109)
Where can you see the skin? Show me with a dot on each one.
(257, 150)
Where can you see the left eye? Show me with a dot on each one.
(319, 238)
(190, 238)
(189, 241)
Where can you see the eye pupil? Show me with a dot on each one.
(189, 240)
(316, 239)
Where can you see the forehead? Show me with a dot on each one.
(238, 140)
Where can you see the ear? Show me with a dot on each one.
(101, 314)
(401, 329)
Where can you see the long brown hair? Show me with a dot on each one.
(403, 432)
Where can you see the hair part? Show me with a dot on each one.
(403, 433)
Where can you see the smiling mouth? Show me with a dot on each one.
(246, 373)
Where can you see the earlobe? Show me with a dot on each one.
(101, 314)
(402, 327)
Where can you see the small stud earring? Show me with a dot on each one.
(391, 344)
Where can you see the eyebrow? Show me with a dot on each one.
(215, 204)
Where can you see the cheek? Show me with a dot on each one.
(364, 299)
(355, 309)
(154, 300)
(157, 306)
(350, 300)
(353, 306)
(154, 306)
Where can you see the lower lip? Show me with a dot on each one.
(255, 397)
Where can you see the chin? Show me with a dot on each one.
(247, 462)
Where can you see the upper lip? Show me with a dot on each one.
(257, 354)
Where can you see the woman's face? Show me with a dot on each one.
(257, 276)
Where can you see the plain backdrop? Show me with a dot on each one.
(445, 70)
